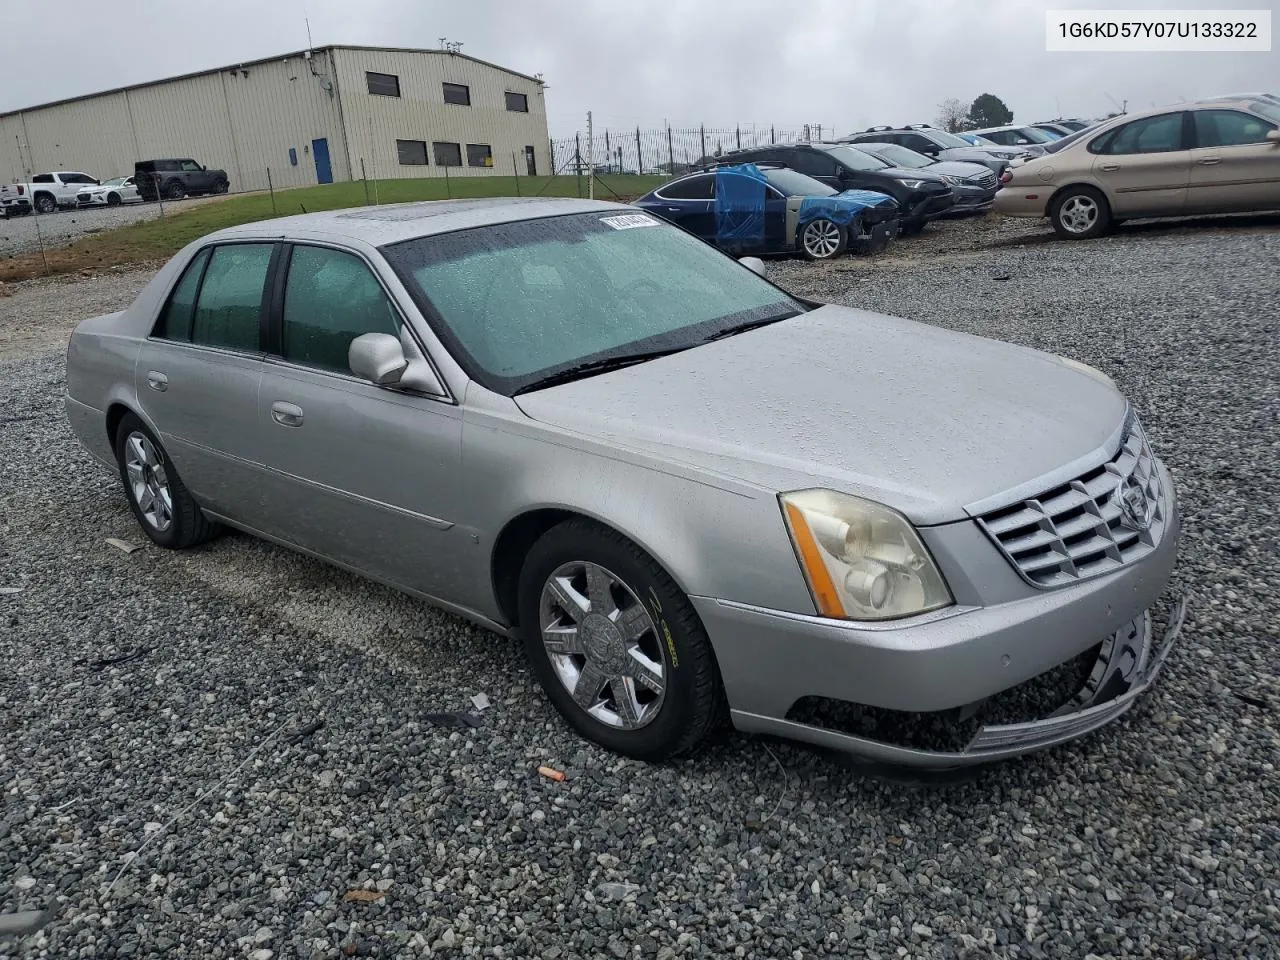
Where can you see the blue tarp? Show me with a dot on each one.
(740, 205)
(842, 208)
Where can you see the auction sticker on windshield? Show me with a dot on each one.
(629, 220)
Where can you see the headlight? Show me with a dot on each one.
(911, 184)
(947, 178)
(862, 560)
(1091, 371)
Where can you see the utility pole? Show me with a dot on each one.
(591, 164)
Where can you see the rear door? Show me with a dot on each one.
(689, 203)
(1145, 165)
(1234, 167)
(198, 373)
(367, 476)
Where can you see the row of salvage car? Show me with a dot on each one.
(823, 200)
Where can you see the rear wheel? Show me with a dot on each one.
(1080, 213)
(616, 645)
(44, 203)
(174, 190)
(158, 497)
(823, 239)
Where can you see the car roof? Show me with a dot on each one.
(391, 223)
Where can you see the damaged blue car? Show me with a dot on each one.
(764, 208)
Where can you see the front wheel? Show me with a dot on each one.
(823, 239)
(158, 497)
(221, 186)
(1080, 213)
(912, 227)
(113, 199)
(616, 645)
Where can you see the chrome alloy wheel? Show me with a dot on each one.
(821, 239)
(148, 481)
(1078, 214)
(603, 645)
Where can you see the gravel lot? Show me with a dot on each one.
(23, 234)
(188, 801)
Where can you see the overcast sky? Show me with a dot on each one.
(846, 64)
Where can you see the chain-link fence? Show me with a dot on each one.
(666, 150)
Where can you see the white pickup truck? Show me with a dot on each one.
(14, 198)
(49, 191)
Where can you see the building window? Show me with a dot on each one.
(479, 155)
(412, 153)
(517, 102)
(383, 84)
(447, 154)
(457, 93)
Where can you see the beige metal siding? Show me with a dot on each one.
(93, 136)
(374, 123)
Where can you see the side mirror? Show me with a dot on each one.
(380, 359)
(1273, 136)
(754, 264)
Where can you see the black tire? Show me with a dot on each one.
(188, 525)
(911, 228)
(1080, 213)
(221, 186)
(822, 239)
(692, 705)
(44, 203)
(113, 199)
(174, 190)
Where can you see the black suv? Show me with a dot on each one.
(940, 145)
(921, 196)
(175, 179)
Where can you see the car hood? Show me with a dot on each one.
(959, 168)
(922, 419)
(911, 173)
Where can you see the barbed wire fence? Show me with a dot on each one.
(665, 150)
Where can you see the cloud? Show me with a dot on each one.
(846, 64)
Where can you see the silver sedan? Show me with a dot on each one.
(691, 495)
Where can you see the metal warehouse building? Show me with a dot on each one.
(329, 114)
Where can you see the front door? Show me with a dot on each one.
(1145, 166)
(324, 169)
(198, 374)
(363, 475)
(1234, 167)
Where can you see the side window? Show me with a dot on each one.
(230, 306)
(175, 318)
(42, 178)
(914, 141)
(330, 298)
(1229, 128)
(190, 165)
(692, 188)
(1160, 134)
(814, 163)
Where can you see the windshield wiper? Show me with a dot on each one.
(602, 365)
(750, 325)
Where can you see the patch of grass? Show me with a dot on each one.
(160, 238)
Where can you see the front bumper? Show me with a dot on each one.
(957, 657)
(929, 206)
(971, 200)
(90, 200)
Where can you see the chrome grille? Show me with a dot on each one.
(1079, 530)
(986, 180)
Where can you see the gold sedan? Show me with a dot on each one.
(1207, 157)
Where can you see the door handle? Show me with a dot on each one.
(1110, 166)
(1209, 161)
(157, 380)
(286, 414)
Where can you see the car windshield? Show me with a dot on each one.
(855, 159)
(899, 156)
(794, 183)
(944, 139)
(114, 182)
(974, 140)
(1265, 109)
(1035, 135)
(532, 301)
(1066, 141)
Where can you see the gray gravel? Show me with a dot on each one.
(25, 234)
(1158, 837)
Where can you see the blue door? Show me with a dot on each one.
(324, 170)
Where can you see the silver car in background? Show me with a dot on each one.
(689, 493)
